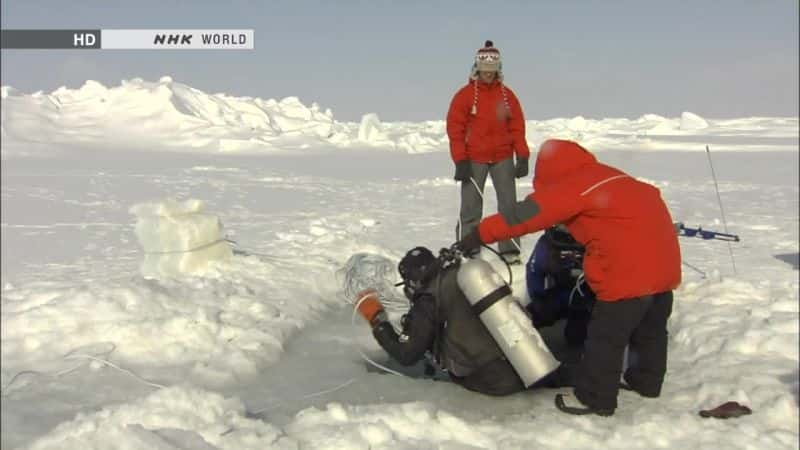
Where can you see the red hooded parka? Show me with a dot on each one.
(497, 129)
(631, 244)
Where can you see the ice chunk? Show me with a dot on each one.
(178, 238)
(370, 129)
(690, 121)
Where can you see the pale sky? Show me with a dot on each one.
(404, 60)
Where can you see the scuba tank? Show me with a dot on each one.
(506, 321)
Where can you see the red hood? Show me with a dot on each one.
(558, 158)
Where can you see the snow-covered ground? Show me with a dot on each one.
(260, 351)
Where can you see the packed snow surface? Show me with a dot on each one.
(260, 349)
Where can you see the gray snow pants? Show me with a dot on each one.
(472, 203)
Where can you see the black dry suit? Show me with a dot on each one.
(441, 320)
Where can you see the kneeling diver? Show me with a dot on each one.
(443, 321)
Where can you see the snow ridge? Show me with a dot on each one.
(168, 115)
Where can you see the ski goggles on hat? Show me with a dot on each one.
(488, 57)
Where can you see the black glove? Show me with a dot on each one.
(469, 243)
(463, 171)
(522, 167)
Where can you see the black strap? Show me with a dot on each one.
(493, 297)
(437, 325)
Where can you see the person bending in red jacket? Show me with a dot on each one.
(486, 128)
(632, 263)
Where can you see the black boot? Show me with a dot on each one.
(575, 407)
(630, 385)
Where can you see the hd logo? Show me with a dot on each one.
(151, 39)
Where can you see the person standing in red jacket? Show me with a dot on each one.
(632, 263)
(486, 128)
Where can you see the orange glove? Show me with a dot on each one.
(370, 307)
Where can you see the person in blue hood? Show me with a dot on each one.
(556, 287)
